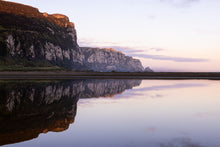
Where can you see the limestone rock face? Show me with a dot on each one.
(107, 60)
(37, 37)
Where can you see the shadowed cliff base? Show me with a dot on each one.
(109, 75)
(29, 108)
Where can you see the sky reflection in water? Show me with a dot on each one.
(157, 113)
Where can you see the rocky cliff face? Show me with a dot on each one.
(30, 108)
(28, 34)
(107, 59)
(36, 37)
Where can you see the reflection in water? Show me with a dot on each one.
(180, 142)
(30, 108)
(173, 86)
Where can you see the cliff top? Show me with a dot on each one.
(28, 11)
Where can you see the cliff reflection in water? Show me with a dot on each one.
(30, 108)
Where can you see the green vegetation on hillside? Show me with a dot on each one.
(19, 64)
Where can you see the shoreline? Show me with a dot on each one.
(108, 75)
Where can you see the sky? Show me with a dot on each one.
(166, 35)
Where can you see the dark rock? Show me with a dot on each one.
(147, 69)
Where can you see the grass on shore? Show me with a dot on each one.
(22, 68)
(19, 64)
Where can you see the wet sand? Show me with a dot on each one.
(108, 75)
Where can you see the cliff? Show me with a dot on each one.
(31, 38)
(107, 59)
(30, 108)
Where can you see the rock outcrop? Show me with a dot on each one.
(148, 69)
(107, 59)
(31, 38)
(30, 108)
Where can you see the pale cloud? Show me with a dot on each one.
(86, 42)
(137, 51)
(170, 58)
(90, 42)
(180, 3)
(156, 49)
(126, 49)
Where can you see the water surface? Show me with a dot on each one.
(85, 113)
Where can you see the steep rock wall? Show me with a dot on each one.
(107, 60)
(27, 34)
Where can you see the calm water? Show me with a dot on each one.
(110, 113)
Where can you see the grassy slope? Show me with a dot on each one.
(19, 64)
